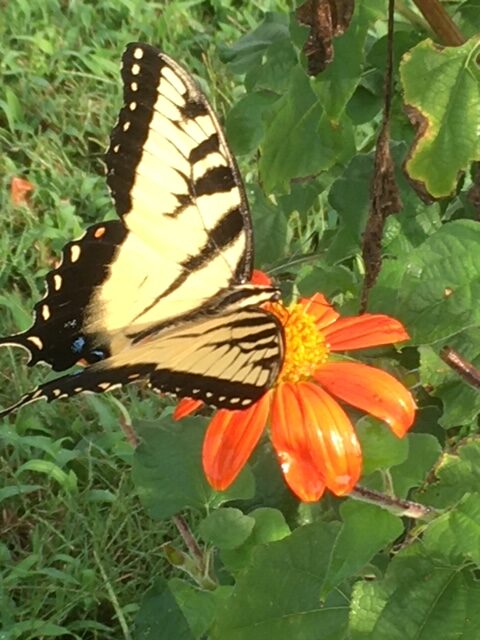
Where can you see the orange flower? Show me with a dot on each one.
(19, 190)
(313, 437)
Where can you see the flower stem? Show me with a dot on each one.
(398, 506)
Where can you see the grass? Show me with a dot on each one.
(77, 552)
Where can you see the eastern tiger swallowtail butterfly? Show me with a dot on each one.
(164, 293)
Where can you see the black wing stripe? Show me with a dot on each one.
(205, 148)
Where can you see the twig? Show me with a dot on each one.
(396, 505)
(461, 366)
(441, 23)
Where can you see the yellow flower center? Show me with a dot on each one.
(305, 346)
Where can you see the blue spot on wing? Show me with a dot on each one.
(78, 344)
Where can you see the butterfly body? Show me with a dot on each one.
(163, 293)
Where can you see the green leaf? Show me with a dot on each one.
(10, 491)
(167, 469)
(277, 595)
(226, 528)
(461, 402)
(366, 530)
(272, 73)
(329, 280)
(247, 52)
(433, 292)
(467, 17)
(427, 600)
(270, 229)
(350, 197)
(197, 606)
(456, 475)
(423, 452)
(298, 121)
(270, 526)
(160, 616)
(67, 481)
(455, 535)
(245, 126)
(442, 89)
(381, 448)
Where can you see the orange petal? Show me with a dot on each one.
(230, 439)
(314, 440)
(361, 332)
(19, 190)
(371, 390)
(259, 277)
(319, 307)
(185, 407)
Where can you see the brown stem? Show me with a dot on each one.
(463, 367)
(441, 23)
(190, 542)
(396, 505)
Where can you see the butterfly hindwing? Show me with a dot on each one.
(227, 361)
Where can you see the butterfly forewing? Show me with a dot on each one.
(178, 191)
(161, 293)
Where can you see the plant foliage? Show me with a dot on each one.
(80, 557)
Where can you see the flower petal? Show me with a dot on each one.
(361, 332)
(371, 390)
(259, 277)
(319, 307)
(311, 432)
(185, 407)
(230, 439)
(289, 441)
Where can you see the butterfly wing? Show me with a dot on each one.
(58, 335)
(228, 361)
(184, 234)
(177, 189)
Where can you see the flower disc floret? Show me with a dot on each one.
(305, 346)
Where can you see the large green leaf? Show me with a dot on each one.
(455, 535)
(366, 530)
(160, 616)
(248, 51)
(419, 599)
(461, 402)
(245, 125)
(198, 606)
(435, 290)
(457, 474)
(294, 579)
(423, 452)
(442, 92)
(300, 140)
(167, 469)
(270, 525)
(278, 593)
(226, 528)
(381, 448)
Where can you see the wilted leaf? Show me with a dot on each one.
(326, 19)
(442, 94)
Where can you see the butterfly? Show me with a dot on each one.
(164, 292)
